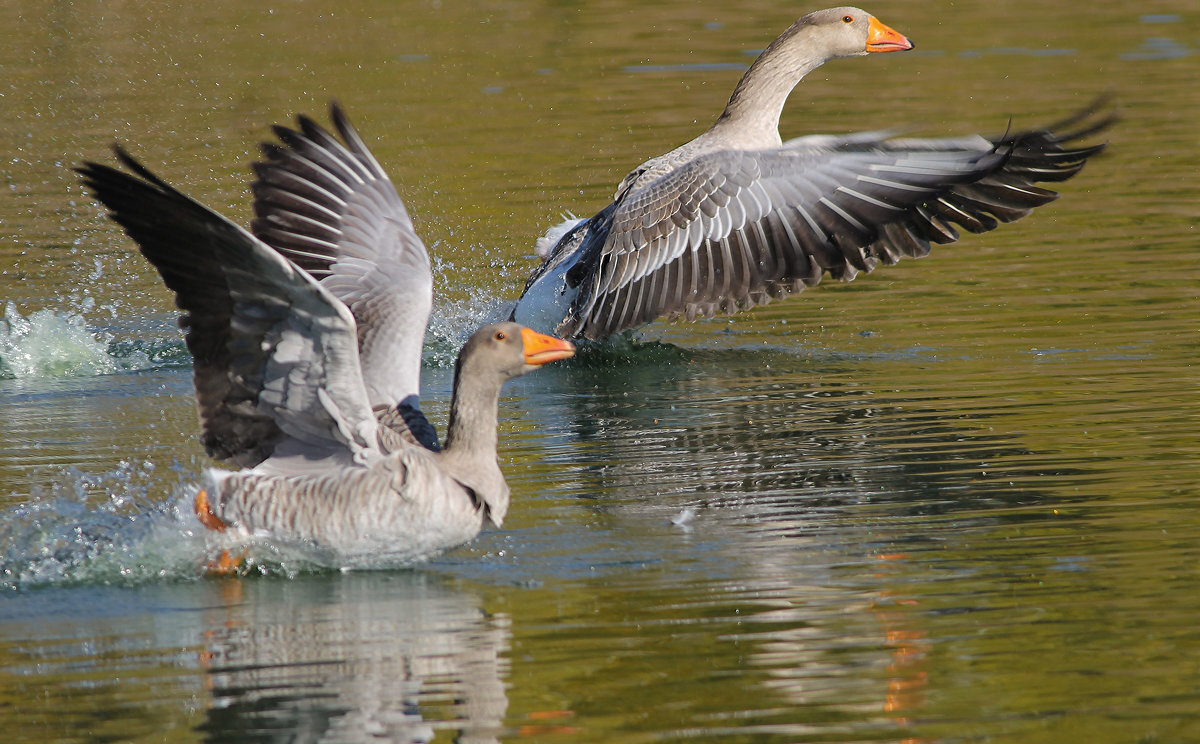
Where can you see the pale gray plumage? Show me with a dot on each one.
(310, 384)
(736, 217)
(332, 210)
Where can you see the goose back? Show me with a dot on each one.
(737, 218)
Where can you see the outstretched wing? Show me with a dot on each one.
(734, 229)
(328, 206)
(275, 355)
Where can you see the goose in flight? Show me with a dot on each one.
(737, 217)
(306, 338)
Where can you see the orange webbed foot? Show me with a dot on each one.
(207, 517)
(225, 564)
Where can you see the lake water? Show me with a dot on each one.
(952, 501)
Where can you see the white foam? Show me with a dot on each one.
(47, 343)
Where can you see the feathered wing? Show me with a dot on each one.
(275, 356)
(329, 206)
(734, 229)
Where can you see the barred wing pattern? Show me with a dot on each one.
(734, 229)
(275, 358)
(331, 209)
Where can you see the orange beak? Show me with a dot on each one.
(540, 348)
(881, 38)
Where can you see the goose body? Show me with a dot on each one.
(737, 217)
(306, 338)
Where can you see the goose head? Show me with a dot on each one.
(508, 350)
(848, 32)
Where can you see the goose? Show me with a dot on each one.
(737, 217)
(306, 338)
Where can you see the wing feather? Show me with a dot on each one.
(328, 205)
(731, 229)
(275, 356)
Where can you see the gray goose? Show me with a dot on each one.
(306, 342)
(737, 217)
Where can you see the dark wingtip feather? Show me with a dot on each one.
(133, 164)
(341, 121)
(311, 128)
(286, 135)
(350, 135)
(1099, 103)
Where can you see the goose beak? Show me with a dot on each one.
(540, 348)
(881, 38)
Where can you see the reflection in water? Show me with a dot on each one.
(777, 434)
(353, 658)
(817, 496)
(958, 502)
(812, 494)
(396, 657)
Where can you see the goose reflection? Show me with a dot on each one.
(355, 657)
(776, 435)
(793, 570)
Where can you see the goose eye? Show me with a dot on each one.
(847, 19)
(500, 336)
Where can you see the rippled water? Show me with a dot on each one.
(951, 501)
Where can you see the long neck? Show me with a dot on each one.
(469, 455)
(751, 118)
(471, 433)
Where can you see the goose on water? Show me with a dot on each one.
(306, 339)
(737, 217)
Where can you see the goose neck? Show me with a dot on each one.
(751, 118)
(471, 432)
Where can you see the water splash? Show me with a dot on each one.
(108, 529)
(51, 344)
(118, 527)
(454, 320)
(64, 537)
(61, 343)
